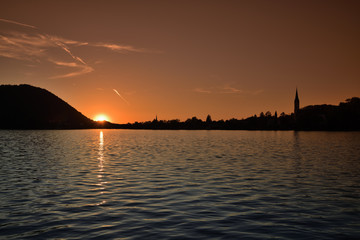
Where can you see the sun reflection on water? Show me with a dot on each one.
(100, 175)
(101, 152)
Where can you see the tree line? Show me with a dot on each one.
(345, 116)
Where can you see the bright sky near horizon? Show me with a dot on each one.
(133, 60)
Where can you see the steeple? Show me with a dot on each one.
(296, 103)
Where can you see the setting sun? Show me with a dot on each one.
(101, 117)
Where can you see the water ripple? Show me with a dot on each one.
(117, 184)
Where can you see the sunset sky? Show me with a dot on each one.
(133, 60)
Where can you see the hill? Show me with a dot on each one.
(27, 107)
(345, 116)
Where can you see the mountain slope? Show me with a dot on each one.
(27, 107)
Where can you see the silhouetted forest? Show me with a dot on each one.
(28, 107)
(345, 116)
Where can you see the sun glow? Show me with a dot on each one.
(101, 117)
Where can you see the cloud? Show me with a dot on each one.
(23, 46)
(121, 96)
(17, 23)
(228, 89)
(38, 47)
(219, 90)
(201, 90)
(68, 41)
(117, 48)
(65, 64)
(83, 70)
(80, 69)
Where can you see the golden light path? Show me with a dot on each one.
(101, 182)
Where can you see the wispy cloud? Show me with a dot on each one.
(17, 23)
(121, 96)
(80, 69)
(201, 90)
(67, 41)
(117, 48)
(23, 46)
(111, 46)
(228, 89)
(219, 90)
(37, 47)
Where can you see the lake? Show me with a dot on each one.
(139, 184)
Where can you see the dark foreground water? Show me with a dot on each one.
(123, 184)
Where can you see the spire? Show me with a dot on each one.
(296, 104)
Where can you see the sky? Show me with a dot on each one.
(135, 60)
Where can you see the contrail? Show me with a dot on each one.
(66, 49)
(33, 46)
(17, 23)
(121, 97)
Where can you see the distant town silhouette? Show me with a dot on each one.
(27, 107)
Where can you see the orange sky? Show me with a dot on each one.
(179, 59)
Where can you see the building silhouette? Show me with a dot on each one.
(296, 104)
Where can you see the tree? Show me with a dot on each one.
(208, 119)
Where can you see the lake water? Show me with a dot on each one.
(128, 184)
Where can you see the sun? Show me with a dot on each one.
(101, 118)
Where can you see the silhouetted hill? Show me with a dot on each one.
(28, 107)
(345, 116)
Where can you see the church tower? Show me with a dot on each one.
(296, 104)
